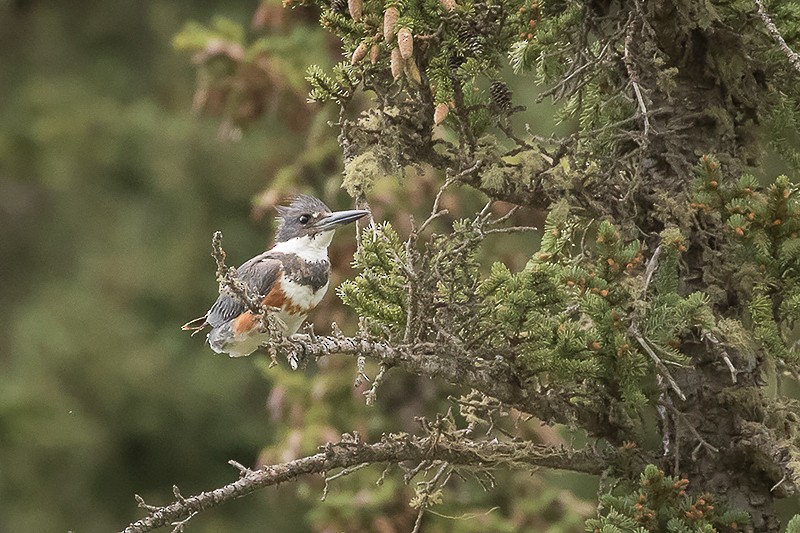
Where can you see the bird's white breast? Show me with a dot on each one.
(302, 296)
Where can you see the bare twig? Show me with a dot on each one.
(512, 229)
(343, 472)
(725, 357)
(701, 441)
(180, 526)
(426, 490)
(652, 265)
(659, 364)
(243, 470)
(411, 473)
(371, 394)
(505, 217)
(435, 211)
(778, 484)
(361, 376)
(230, 282)
(630, 65)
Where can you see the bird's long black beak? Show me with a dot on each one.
(339, 218)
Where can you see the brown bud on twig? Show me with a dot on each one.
(397, 64)
(448, 5)
(374, 52)
(405, 42)
(390, 17)
(412, 71)
(355, 8)
(440, 113)
(359, 53)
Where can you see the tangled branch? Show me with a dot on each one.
(392, 449)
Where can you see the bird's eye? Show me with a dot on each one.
(304, 219)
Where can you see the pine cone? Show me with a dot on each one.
(440, 113)
(359, 54)
(390, 22)
(455, 61)
(355, 7)
(397, 63)
(448, 5)
(374, 52)
(405, 43)
(501, 95)
(339, 6)
(470, 40)
(412, 72)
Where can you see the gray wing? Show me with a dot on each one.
(260, 274)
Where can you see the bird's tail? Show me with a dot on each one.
(195, 326)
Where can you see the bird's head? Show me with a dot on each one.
(308, 219)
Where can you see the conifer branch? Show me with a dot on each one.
(393, 449)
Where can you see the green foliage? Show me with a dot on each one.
(338, 88)
(606, 307)
(378, 294)
(794, 525)
(783, 122)
(581, 320)
(660, 504)
(554, 22)
(524, 312)
(468, 45)
(763, 225)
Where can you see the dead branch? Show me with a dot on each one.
(392, 449)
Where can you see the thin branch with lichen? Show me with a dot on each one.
(392, 449)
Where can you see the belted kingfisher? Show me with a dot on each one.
(292, 276)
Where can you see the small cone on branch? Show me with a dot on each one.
(397, 64)
(355, 7)
(469, 39)
(359, 54)
(440, 113)
(501, 95)
(339, 6)
(448, 5)
(390, 17)
(374, 52)
(412, 72)
(405, 42)
(455, 61)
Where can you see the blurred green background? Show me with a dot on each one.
(109, 191)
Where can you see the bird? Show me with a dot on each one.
(292, 276)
